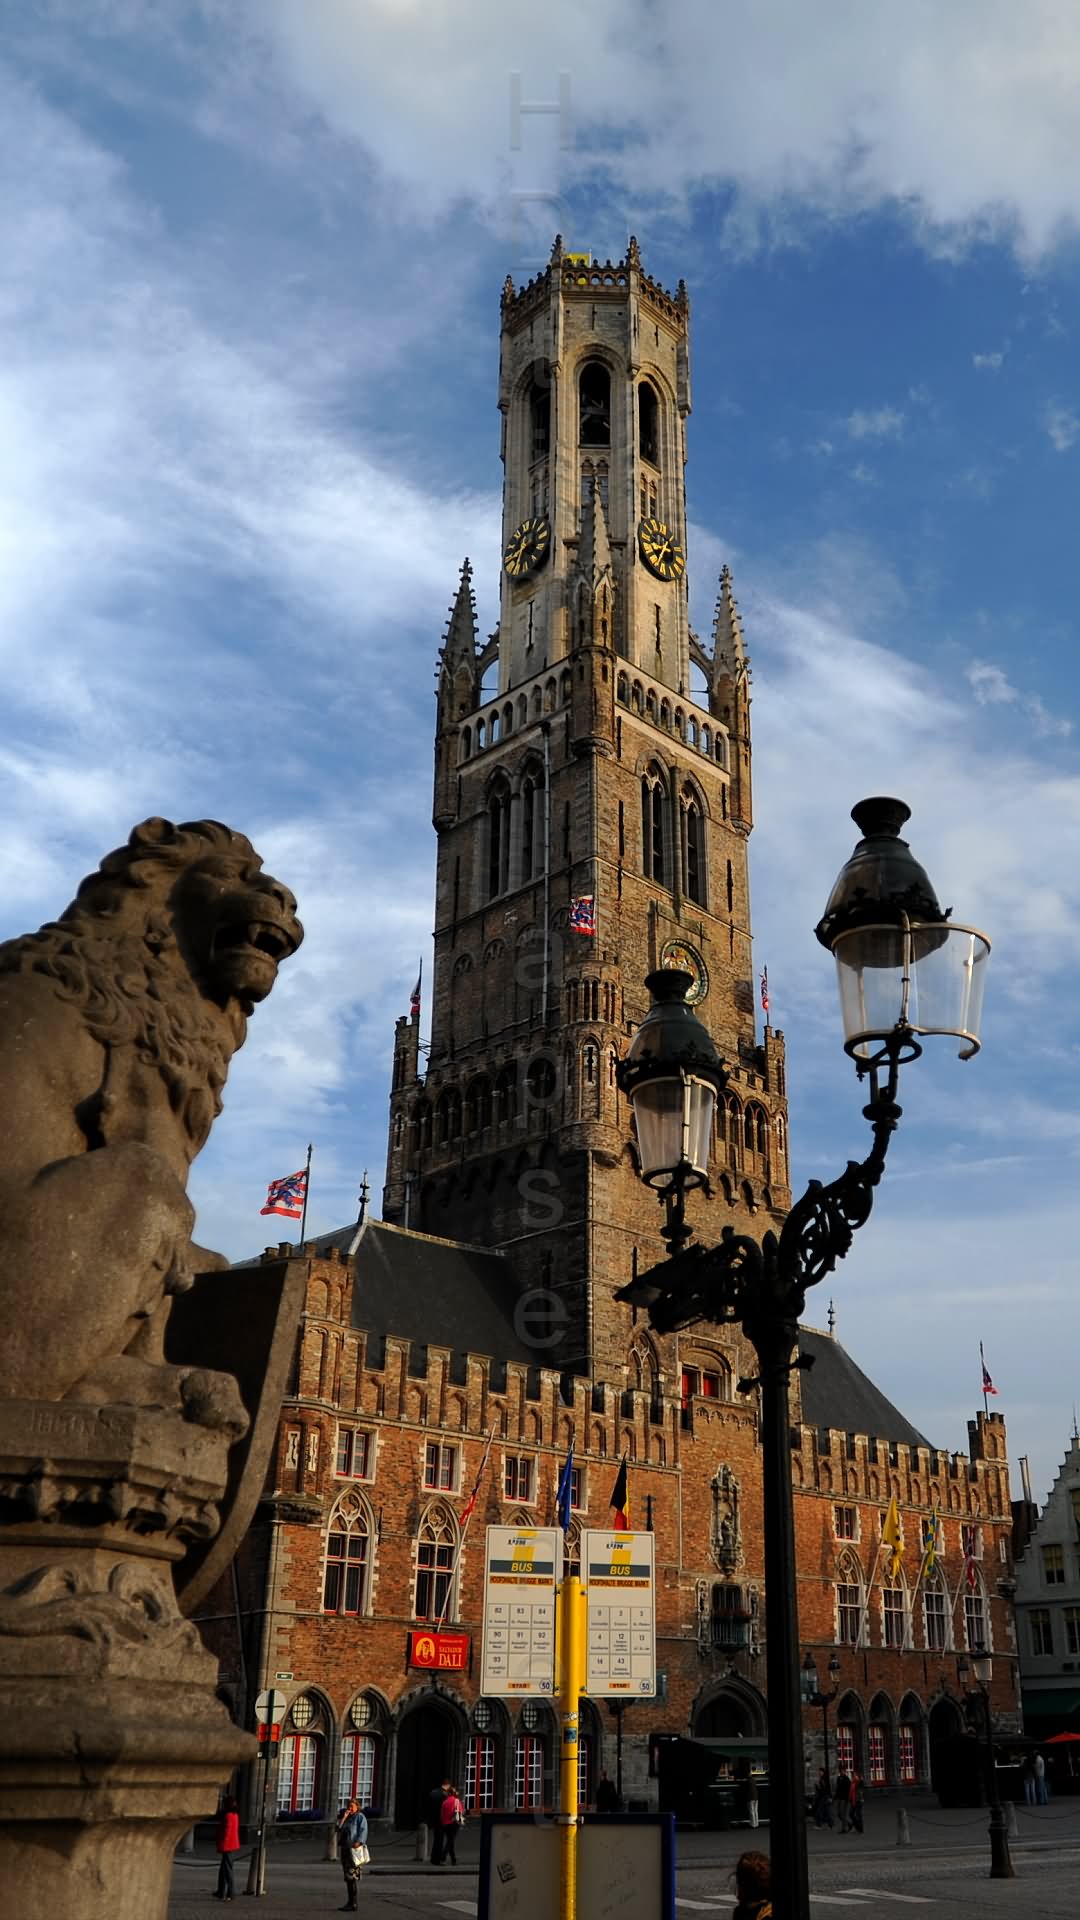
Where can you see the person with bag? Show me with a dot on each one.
(352, 1830)
(228, 1843)
(451, 1816)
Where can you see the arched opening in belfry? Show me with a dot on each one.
(594, 396)
(648, 423)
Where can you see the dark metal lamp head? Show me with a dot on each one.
(903, 969)
(672, 1075)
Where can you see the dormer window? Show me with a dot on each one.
(594, 392)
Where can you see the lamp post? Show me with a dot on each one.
(813, 1697)
(1001, 1866)
(904, 971)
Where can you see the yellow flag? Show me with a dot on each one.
(892, 1536)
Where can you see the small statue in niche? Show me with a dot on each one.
(726, 1535)
(117, 1026)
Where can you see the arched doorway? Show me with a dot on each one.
(731, 1711)
(945, 1726)
(426, 1754)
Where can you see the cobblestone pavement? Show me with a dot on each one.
(943, 1872)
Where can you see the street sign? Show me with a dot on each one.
(445, 1652)
(269, 1703)
(520, 1567)
(617, 1572)
(269, 1731)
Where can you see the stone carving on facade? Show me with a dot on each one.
(131, 1363)
(726, 1540)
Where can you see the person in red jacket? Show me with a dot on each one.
(228, 1843)
(451, 1817)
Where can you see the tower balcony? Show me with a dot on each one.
(680, 718)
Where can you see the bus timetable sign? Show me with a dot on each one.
(445, 1652)
(618, 1572)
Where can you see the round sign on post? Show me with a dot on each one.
(268, 1705)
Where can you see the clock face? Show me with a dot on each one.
(527, 548)
(676, 953)
(660, 550)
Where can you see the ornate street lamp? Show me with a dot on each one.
(905, 972)
(814, 1697)
(1001, 1866)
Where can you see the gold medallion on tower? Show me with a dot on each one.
(527, 548)
(686, 959)
(660, 550)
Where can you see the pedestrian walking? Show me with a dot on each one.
(607, 1796)
(1041, 1795)
(1027, 1775)
(856, 1800)
(822, 1803)
(452, 1816)
(753, 1887)
(227, 1839)
(842, 1799)
(435, 1800)
(352, 1831)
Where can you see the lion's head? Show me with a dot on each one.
(169, 946)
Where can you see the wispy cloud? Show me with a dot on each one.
(1062, 426)
(988, 362)
(993, 688)
(875, 423)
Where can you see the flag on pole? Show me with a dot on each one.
(987, 1384)
(414, 997)
(765, 989)
(933, 1544)
(583, 913)
(466, 1513)
(971, 1571)
(287, 1196)
(892, 1537)
(620, 1500)
(564, 1492)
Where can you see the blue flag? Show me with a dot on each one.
(563, 1492)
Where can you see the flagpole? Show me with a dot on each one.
(982, 1365)
(307, 1183)
(865, 1628)
(454, 1564)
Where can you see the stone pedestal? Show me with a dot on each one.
(112, 1742)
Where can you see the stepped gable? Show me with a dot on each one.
(440, 1293)
(836, 1393)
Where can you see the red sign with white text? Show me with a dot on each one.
(446, 1652)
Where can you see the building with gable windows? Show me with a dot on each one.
(593, 808)
(1048, 1604)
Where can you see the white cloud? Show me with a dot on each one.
(988, 362)
(993, 688)
(875, 423)
(1062, 425)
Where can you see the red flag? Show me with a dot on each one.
(987, 1384)
(414, 997)
(620, 1500)
(765, 989)
(287, 1196)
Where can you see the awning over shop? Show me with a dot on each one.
(1050, 1702)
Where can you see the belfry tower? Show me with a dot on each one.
(593, 806)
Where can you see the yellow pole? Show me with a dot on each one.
(572, 1651)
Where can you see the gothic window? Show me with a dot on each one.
(706, 743)
(532, 788)
(481, 734)
(781, 1139)
(303, 1752)
(493, 727)
(693, 835)
(650, 706)
(421, 1121)
(541, 1078)
(691, 729)
(480, 1771)
(358, 1774)
(976, 1617)
(434, 1565)
(760, 1131)
(571, 1000)
(654, 813)
(539, 421)
(622, 689)
(594, 392)
(894, 1613)
(448, 1116)
(478, 1106)
(508, 719)
(506, 1094)
(635, 697)
(849, 1600)
(465, 746)
(498, 839)
(680, 723)
(523, 710)
(648, 423)
(729, 1618)
(348, 1542)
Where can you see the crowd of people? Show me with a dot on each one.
(839, 1802)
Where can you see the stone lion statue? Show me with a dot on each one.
(117, 1025)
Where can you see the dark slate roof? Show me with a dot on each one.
(440, 1293)
(836, 1393)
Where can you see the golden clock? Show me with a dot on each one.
(527, 548)
(660, 550)
(686, 959)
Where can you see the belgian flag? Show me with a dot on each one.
(620, 1500)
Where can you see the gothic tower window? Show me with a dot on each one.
(506, 1094)
(594, 393)
(539, 420)
(693, 832)
(654, 820)
(648, 423)
(498, 809)
(532, 789)
(850, 1600)
(435, 1565)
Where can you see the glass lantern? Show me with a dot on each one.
(672, 1075)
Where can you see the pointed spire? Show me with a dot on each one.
(594, 548)
(459, 639)
(730, 658)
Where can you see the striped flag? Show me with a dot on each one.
(987, 1384)
(765, 989)
(287, 1196)
(583, 913)
(620, 1500)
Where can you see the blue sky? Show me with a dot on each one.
(248, 365)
